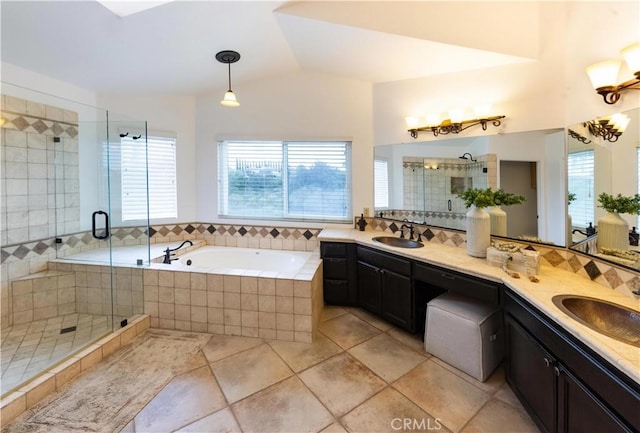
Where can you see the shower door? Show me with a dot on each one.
(104, 223)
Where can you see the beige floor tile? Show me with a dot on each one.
(390, 411)
(331, 312)
(222, 346)
(414, 341)
(285, 407)
(498, 417)
(250, 371)
(342, 383)
(387, 357)
(301, 356)
(188, 397)
(490, 386)
(348, 330)
(371, 319)
(334, 428)
(222, 421)
(442, 393)
(196, 362)
(507, 396)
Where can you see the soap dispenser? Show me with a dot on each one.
(361, 222)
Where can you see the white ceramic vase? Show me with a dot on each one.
(478, 232)
(613, 232)
(498, 219)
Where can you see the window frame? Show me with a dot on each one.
(286, 215)
(585, 206)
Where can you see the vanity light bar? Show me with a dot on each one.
(449, 127)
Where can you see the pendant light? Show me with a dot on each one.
(229, 57)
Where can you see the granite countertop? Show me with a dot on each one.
(552, 281)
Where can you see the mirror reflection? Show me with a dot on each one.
(603, 162)
(420, 181)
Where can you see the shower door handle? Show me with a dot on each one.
(105, 232)
(449, 205)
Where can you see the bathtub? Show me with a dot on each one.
(216, 259)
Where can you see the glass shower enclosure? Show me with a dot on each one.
(74, 229)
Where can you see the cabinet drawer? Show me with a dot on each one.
(462, 284)
(385, 260)
(335, 268)
(336, 292)
(333, 249)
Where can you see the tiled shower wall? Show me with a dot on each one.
(40, 184)
(427, 191)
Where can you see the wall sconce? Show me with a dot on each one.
(229, 57)
(609, 128)
(603, 75)
(453, 125)
(573, 134)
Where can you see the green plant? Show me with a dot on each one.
(620, 203)
(502, 198)
(486, 197)
(571, 197)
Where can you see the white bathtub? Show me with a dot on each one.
(213, 259)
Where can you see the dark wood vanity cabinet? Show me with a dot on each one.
(385, 286)
(564, 386)
(339, 273)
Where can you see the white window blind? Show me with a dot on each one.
(580, 178)
(159, 164)
(285, 180)
(381, 183)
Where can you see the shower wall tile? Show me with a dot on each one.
(28, 178)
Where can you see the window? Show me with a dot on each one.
(161, 161)
(580, 177)
(285, 180)
(381, 183)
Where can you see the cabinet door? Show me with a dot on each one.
(581, 411)
(369, 287)
(530, 371)
(397, 302)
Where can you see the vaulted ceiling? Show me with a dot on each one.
(170, 48)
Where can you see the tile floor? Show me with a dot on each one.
(27, 349)
(360, 375)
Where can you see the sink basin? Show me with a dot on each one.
(398, 242)
(613, 320)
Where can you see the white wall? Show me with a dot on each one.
(166, 113)
(301, 106)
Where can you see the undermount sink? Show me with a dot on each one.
(613, 320)
(398, 242)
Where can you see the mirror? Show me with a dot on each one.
(527, 163)
(596, 165)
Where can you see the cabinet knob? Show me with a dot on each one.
(547, 363)
(556, 370)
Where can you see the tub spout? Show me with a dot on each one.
(169, 252)
(182, 245)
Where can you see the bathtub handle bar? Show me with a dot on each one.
(105, 232)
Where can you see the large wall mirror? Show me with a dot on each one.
(419, 181)
(597, 165)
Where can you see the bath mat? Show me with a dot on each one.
(108, 396)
